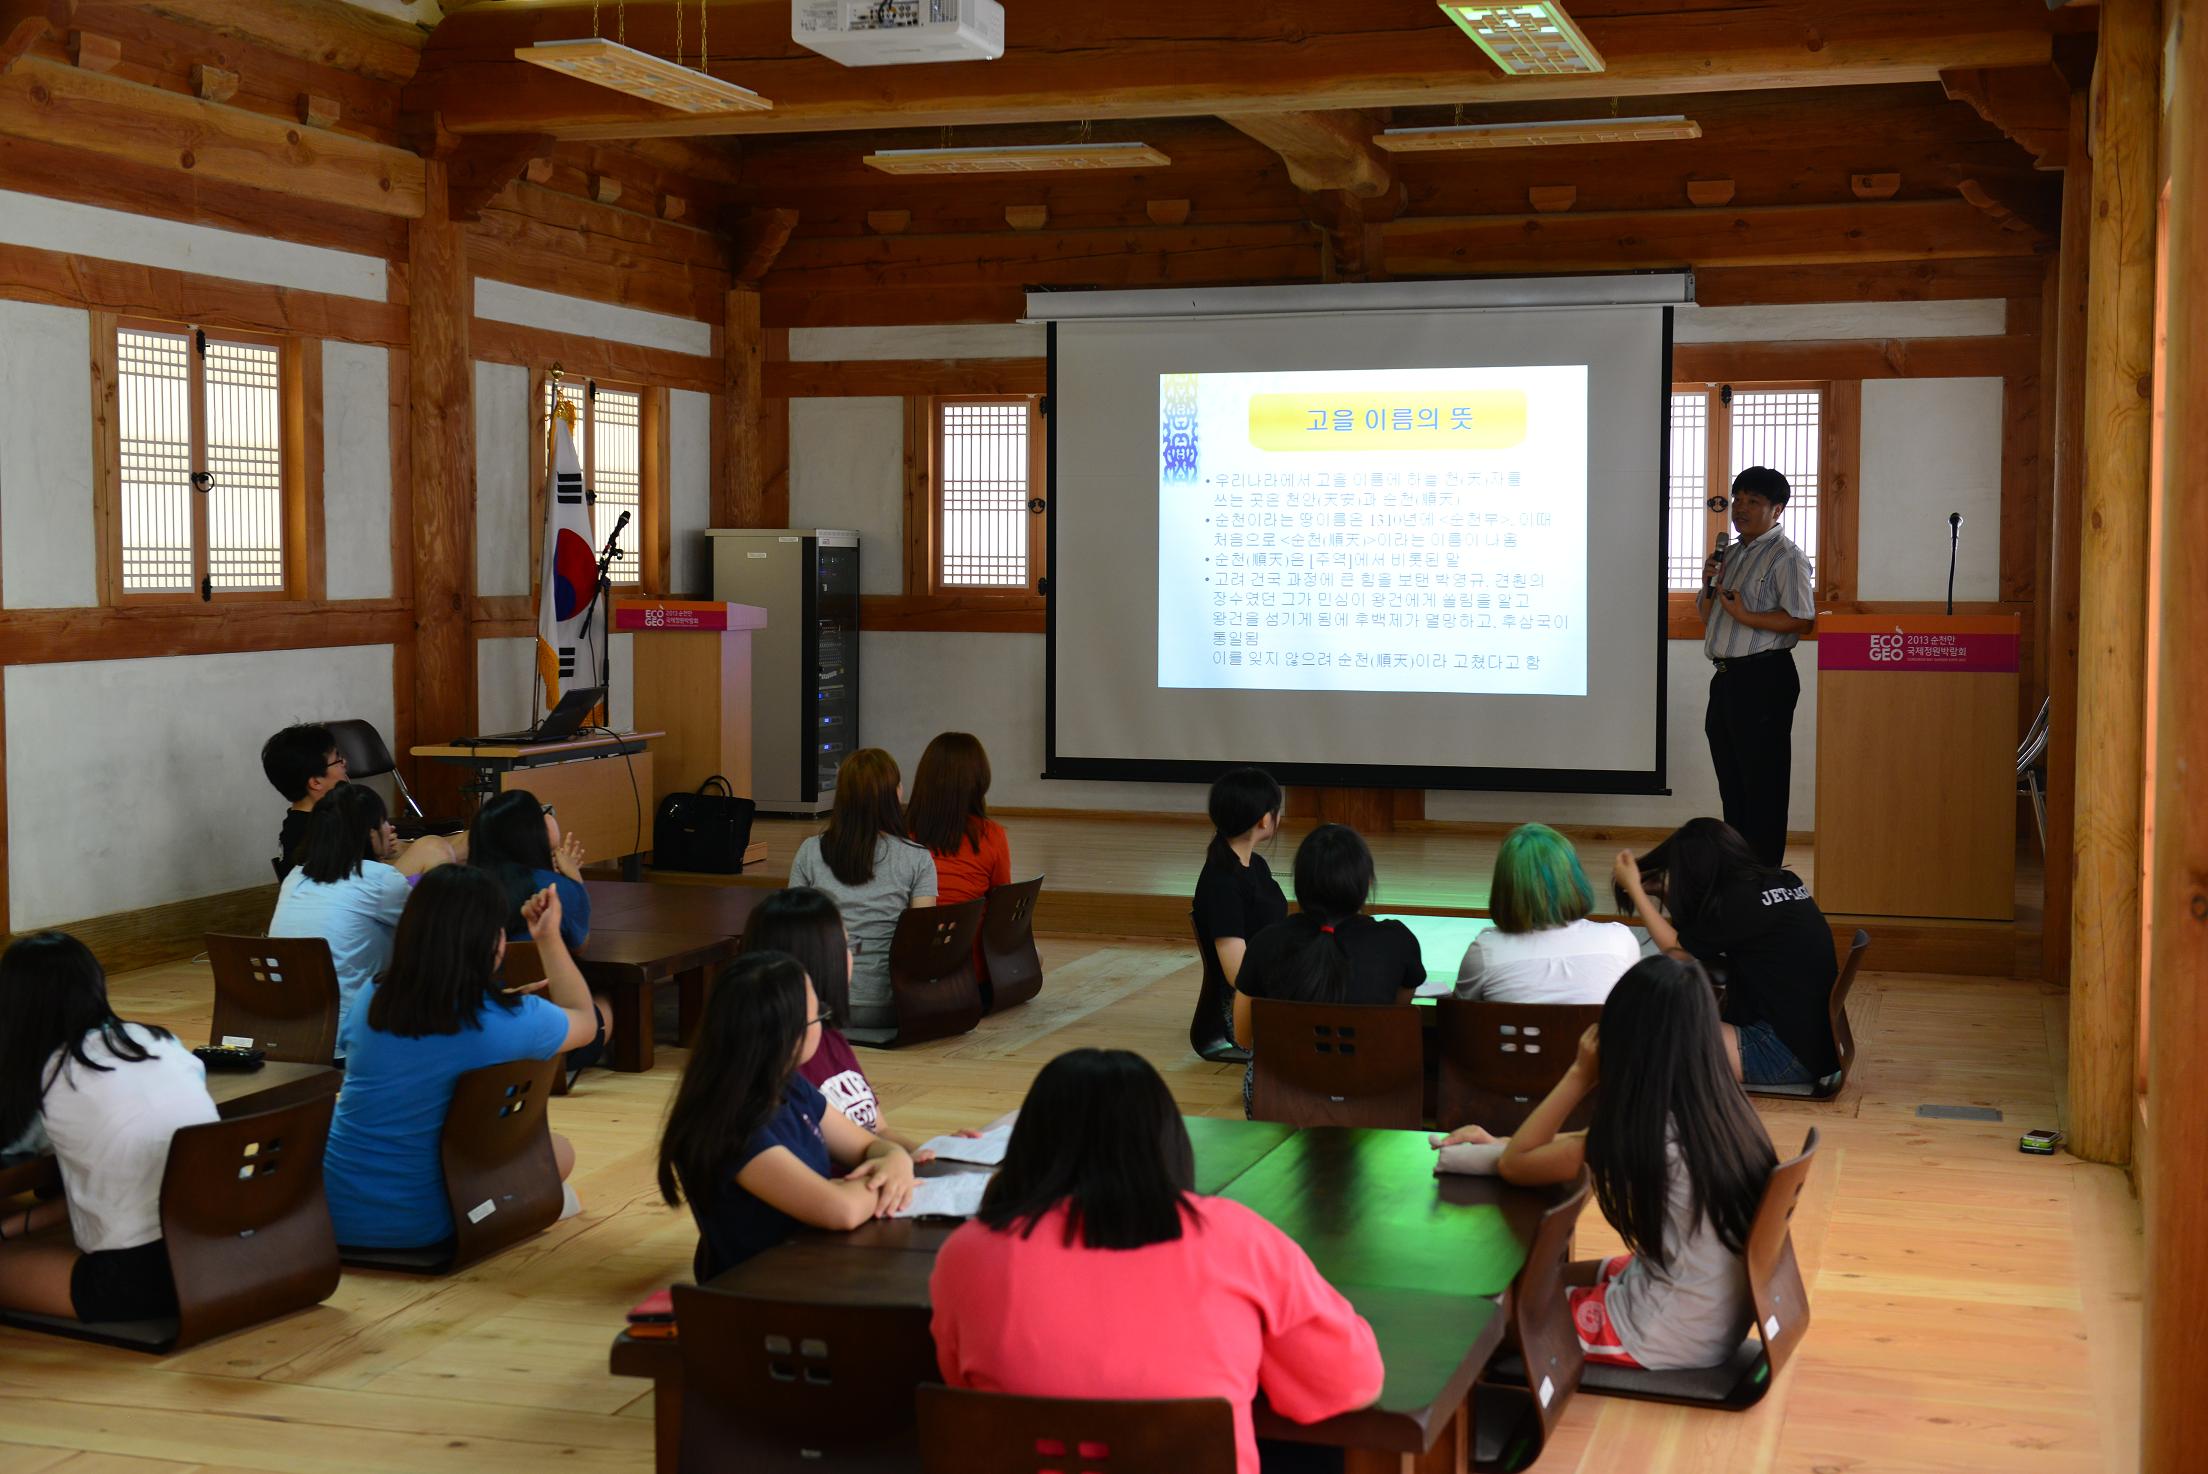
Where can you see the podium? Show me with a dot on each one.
(692, 668)
(1916, 765)
(596, 782)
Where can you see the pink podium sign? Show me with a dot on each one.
(1971, 644)
(670, 614)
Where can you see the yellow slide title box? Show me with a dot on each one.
(1469, 419)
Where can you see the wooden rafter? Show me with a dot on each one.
(2029, 104)
(350, 38)
(1322, 150)
(1071, 62)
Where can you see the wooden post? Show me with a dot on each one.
(2068, 329)
(2104, 907)
(2174, 1415)
(736, 497)
(441, 432)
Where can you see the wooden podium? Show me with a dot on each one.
(1916, 765)
(693, 684)
(598, 784)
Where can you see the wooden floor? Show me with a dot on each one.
(1975, 1309)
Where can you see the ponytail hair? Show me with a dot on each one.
(1240, 798)
(1333, 879)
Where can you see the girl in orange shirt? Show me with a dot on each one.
(947, 813)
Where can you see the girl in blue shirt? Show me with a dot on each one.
(439, 1012)
(517, 841)
(345, 891)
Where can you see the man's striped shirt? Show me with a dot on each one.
(1771, 573)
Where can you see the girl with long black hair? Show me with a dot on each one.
(749, 1141)
(111, 1095)
(1329, 951)
(345, 890)
(516, 840)
(1679, 1163)
(1236, 898)
(1704, 893)
(874, 872)
(1093, 1270)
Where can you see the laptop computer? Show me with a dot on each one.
(560, 723)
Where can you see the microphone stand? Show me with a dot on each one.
(1954, 543)
(604, 591)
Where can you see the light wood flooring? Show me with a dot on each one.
(1974, 1309)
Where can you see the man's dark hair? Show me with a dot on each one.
(297, 756)
(1763, 482)
(1100, 1134)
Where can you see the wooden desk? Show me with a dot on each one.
(235, 1093)
(601, 785)
(1435, 1333)
(642, 935)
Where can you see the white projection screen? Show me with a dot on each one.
(1401, 534)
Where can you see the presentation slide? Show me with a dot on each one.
(1409, 530)
(1415, 543)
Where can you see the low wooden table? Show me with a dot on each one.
(642, 935)
(1424, 1259)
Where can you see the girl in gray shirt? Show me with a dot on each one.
(874, 874)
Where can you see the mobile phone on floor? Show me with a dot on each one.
(2040, 1143)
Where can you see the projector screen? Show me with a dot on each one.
(1388, 544)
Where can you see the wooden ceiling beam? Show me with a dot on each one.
(1073, 62)
(1322, 150)
(52, 102)
(332, 33)
(756, 242)
(2029, 104)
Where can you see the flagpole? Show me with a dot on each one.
(562, 412)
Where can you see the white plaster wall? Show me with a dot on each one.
(1930, 447)
(137, 782)
(143, 240)
(847, 469)
(502, 429)
(506, 682)
(689, 492)
(356, 469)
(47, 558)
(947, 340)
(531, 307)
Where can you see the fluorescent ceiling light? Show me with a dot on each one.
(1529, 39)
(1465, 136)
(1032, 158)
(624, 69)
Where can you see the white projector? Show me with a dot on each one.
(880, 33)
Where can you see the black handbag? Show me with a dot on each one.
(704, 831)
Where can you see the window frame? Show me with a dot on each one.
(1835, 497)
(924, 504)
(649, 531)
(297, 462)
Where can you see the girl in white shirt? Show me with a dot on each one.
(111, 1095)
(1542, 948)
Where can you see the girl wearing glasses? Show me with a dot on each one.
(750, 1142)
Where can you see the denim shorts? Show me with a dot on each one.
(1765, 1059)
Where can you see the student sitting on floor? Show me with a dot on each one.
(1236, 897)
(1542, 948)
(439, 1012)
(749, 1140)
(874, 874)
(1679, 1163)
(344, 891)
(1093, 1269)
(1330, 951)
(803, 923)
(517, 841)
(302, 763)
(1760, 923)
(111, 1095)
(948, 813)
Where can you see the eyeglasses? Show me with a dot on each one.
(826, 1018)
(549, 809)
(336, 760)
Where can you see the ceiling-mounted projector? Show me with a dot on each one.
(880, 33)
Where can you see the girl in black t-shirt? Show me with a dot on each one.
(1236, 898)
(1703, 892)
(1330, 951)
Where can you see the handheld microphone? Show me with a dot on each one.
(613, 538)
(1717, 555)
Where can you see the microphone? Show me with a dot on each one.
(613, 539)
(1724, 541)
(1954, 543)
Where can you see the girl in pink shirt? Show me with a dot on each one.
(1092, 1270)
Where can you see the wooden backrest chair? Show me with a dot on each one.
(992, 1433)
(1518, 1401)
(1011, 968)
(1499, 1059)
(1843, 1034)
(280, 993)
(931, 971)
(1338, 1064)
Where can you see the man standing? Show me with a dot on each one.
(1755, 606)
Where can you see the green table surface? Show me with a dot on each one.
(1367, 1208)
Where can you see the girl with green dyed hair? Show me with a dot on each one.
(1542, 948)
